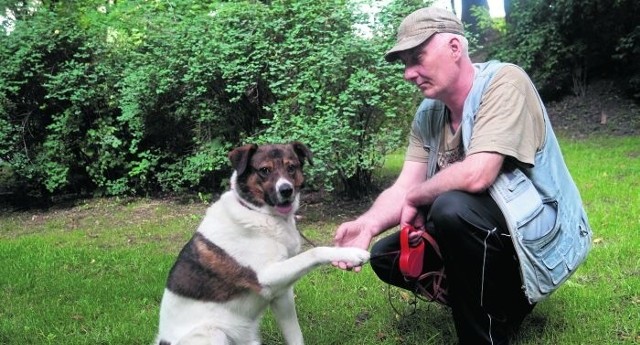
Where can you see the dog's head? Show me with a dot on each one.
(269, 177)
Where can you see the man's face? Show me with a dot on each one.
(430, 66)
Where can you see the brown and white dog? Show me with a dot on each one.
(245, 255)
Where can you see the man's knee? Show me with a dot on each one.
(378, 248)
(384, 257)
(447, 208)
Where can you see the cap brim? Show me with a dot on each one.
(406, 44)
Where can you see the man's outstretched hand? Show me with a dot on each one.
(352, 234)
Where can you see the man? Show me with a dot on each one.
(484, 173)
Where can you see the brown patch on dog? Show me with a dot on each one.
(206, 272)
(259, 168)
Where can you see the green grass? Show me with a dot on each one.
(94, 273)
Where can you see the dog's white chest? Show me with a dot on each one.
(251, 237)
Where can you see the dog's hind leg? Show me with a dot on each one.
(284, 311)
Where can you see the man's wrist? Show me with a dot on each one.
(371, 225)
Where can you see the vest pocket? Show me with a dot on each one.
(542, 241)
(549, 244)
(541, 224)
(556, 255)
(521, 198)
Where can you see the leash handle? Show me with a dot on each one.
(411, 257)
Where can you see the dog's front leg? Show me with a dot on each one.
(284, 311)
(283, 274)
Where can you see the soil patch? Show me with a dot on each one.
(603, 110)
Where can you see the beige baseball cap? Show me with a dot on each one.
(420, 25)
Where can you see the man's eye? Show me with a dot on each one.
(414, 59)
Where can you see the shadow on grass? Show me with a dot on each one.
(432, 323)
(544, 319)
(429, 323)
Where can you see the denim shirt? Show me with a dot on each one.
(541, 204)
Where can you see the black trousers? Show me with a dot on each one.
(484, 285)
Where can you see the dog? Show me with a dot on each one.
(245, 255)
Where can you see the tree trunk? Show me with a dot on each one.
(507, 9)
(467, 17)
(359, 185)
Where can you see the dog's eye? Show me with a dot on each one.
(264, 171)
(291, 169)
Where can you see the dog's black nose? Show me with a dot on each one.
(286, 191)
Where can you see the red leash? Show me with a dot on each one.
(411, 261)
(410, 256)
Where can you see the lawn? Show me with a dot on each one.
(94, 272)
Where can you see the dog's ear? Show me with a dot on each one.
(302, 151)
(240, 157)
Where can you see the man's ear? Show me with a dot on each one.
(241, 156)
(455, 46)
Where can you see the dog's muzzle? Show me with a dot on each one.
(284, 197)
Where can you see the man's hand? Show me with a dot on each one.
(410, 214)
(355, 233)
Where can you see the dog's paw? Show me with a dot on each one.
(350, 255)
(354, 256)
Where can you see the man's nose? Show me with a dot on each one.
(410, 73)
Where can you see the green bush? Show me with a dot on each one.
(565, 44)
(149, 97)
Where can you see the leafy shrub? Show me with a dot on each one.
(35, 50)
(149, 97)
(564, 44)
